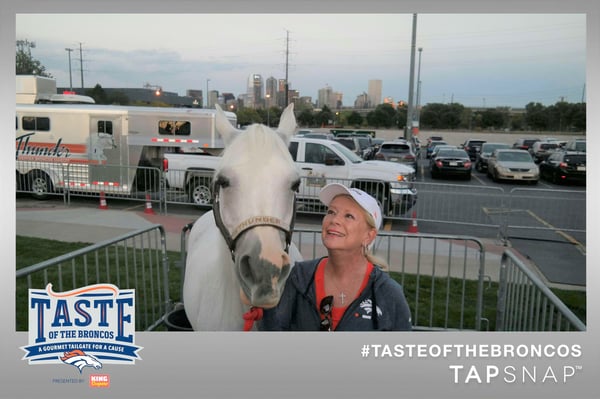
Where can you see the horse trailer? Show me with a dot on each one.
(104, 148)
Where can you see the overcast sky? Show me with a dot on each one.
(472, 59)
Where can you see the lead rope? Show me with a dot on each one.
(254, 314)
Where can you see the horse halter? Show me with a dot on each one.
(253, 221)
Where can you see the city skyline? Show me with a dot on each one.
(473, 59)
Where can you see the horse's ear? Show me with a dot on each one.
(227, 131)
(287, 123)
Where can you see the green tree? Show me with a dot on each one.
(325, 116)
(248, 116)
(536, 116)
(118, 98)
(25, 63)
(306, 118)
(98, 94)
(355, 119)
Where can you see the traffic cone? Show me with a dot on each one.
(413, 228)
(149, 209)
(102, 201)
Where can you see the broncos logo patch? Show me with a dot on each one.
(80, 359)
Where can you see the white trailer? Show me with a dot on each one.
(104, 148)
(33, 89)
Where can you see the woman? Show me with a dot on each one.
(339, 292)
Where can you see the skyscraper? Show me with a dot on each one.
(255, 91)
(374, 92)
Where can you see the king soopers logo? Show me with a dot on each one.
(85, 327)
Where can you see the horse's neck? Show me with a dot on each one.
(211, 289)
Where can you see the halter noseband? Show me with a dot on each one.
(251, 222)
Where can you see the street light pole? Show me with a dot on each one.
(409, 113)
(207, 96)
(70, 75)
(418, 111)
(268, 110)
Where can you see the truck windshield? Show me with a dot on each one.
(347, 153)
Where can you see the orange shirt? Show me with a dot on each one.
(337, 311)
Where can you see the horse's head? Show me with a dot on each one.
(254, 205)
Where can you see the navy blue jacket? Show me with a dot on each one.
(297, 310)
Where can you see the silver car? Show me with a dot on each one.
(516, 165)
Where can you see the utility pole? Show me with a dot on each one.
(81, 65)
(70, 74)
(409, 113)
(287, 52)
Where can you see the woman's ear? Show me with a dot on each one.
(371, 235)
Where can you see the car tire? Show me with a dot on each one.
(200, 191)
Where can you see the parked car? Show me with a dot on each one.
(524, 144)
(512, 164)
(564, 166)
(438, 147)
(450, 162)
(397, 151)
(542, 149)
(431, 145)
(376, 143)
(360, 145)
(481, 163)
(472, 147)
(303, 132)
(317, 135)
(576, 145)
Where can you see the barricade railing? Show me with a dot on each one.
(37, 178)
(130, 183)
(442, 275)
(525, 303)
(136, 260)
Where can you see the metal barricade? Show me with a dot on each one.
(112, 181)
(136, 260)
(526, 304)
(440, 274)
(41, 179)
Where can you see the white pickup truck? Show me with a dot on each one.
(319, 162)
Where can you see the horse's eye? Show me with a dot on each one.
(296, 185)
(222, 181)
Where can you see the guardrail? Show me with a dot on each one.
(136, 260)
(526, 304)
(512, 214)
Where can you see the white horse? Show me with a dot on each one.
(239, 255)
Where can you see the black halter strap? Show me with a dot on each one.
(231, 236)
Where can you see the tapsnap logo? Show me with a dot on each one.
(84, 328)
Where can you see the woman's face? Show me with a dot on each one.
(345, 225)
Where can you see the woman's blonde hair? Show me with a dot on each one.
(376, 260)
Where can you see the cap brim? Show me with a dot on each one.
(329, 192)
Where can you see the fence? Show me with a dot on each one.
(529, 213)
(526, 304)
(135, 260)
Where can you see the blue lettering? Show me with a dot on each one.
(61, 313)
(40, 303)
(87, 319)
(103, 303)
(122, 319)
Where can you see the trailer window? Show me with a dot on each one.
(35, 123)
(180, 128)
(105, 127)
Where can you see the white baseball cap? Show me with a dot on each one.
(367, 202)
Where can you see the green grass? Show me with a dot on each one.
(111, 269)
(429, 309)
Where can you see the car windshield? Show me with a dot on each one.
(395, 148)
(451, 153)
(489, 148)
(514, 156)
(347, 153)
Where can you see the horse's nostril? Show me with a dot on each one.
(246, 268)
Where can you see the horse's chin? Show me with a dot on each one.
(265, 304)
